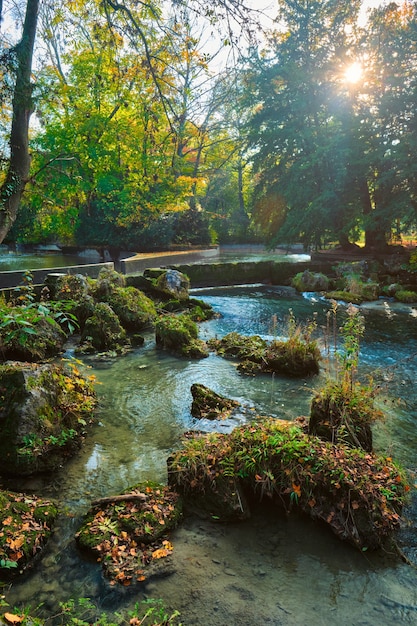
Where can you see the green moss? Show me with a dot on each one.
(134, 310)
(103, 330)
(179, 334)
(360, 495)
(406, 296)
(345, 296)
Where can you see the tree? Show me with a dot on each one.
(20, 57)
(131, 13)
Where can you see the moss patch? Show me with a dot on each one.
(179, 334)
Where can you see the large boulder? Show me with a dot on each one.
(310, 281)
(43, 415)
(134, 310)
(168, 284)
(179, 334)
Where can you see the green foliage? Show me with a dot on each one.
(83, 612)
(359, 494)
(406, 295)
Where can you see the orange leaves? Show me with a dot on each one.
(163, 552)
(296, 489)
(13, 619)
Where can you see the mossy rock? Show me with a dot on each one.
(107, 280)
(30, 336)
(179, 334)
(167, 284)
(358, 494)
(127, 533)
(198, 310)
(103, 332)
(310, 281)
(68, 286)
(26, 522)
(207, 404)
(134, 310)
(240, 346)
(345, 296)
(342, 413)
(43, 415)
(294, 357)
(406, 296)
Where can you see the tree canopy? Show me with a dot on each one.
(142, 139)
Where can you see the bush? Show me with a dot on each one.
(404, 295)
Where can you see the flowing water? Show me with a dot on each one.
(271, 569)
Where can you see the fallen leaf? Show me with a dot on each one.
(13, 619)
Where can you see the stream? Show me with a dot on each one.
(270, 569)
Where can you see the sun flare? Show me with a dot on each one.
(353, 73)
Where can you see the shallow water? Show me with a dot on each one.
(270, 569)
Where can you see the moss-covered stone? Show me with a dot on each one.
(29, 335)
(406, 296)
(179, 334)
(103, 331)
(294, 357)
(358, 494)
(134, 310)
(210, 405)
(43, 414)
(310, 281)
(127, 533)
(341, 412)
(26, 523)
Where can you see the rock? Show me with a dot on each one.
(128, 533)
(168, 284)
(103, 331)
(179, 334)
(310, 281)
(26, 523)
(210, 405)
(43, 415)
(134, 310)
(30, 336)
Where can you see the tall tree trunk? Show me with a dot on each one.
(19, 163)
(375, 236)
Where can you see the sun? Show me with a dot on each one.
(353, 73)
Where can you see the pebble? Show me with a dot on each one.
(229, 572)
